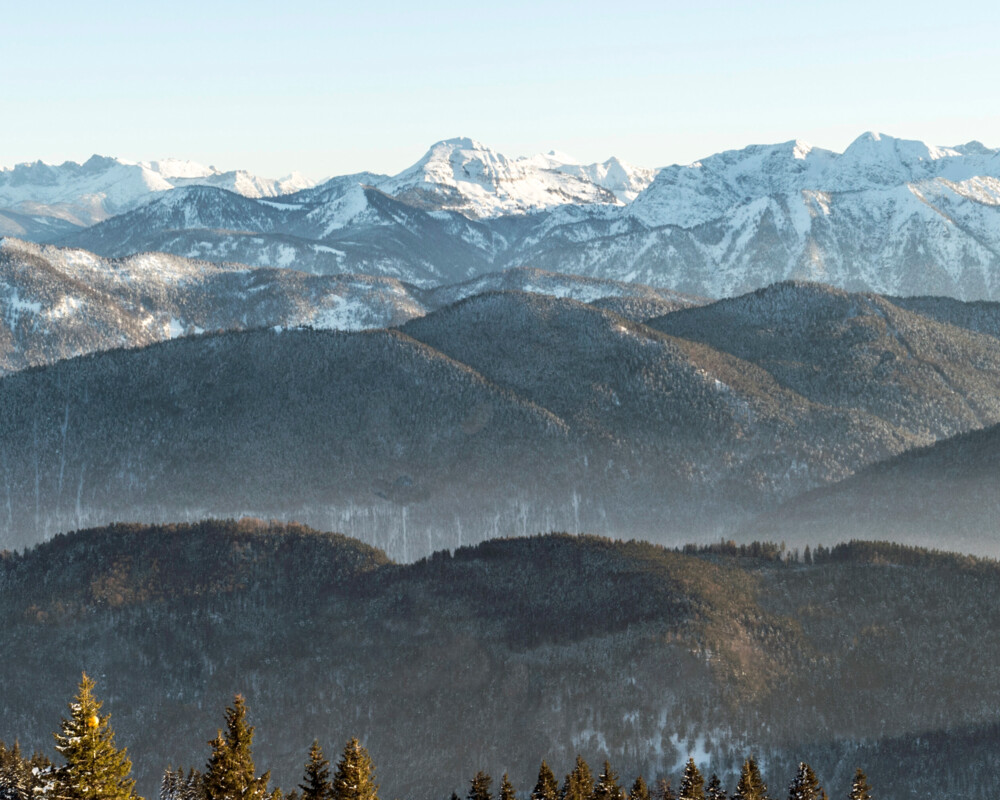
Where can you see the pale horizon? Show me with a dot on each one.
(222, 165)
(326, 90)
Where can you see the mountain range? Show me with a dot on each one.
(599, 404)
(503, 411)
(886, 215)
(459, 174)
(72, 194)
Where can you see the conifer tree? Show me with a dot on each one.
(170, 784)
(692, 784)
(506, 789)
(662, 790)
(193, 786)
(579, 783)
(95, 769)
(804, 785)
(860, 790)
(714, 791)
(480, 788)
(639, 790)
(231, 774)
(546, 787)
(317, 785)
(607, 787)
(15, 774)
(751, 785)
(355, 775)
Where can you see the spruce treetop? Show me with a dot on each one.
(546, 787)
(692, 784)
(355, 775)
(317, 784)
(480, 787)
(714, 791)
(751, 785)
(639, 790)
(95, 768)
(860, 790)
(230, 774)
(579, 783)
(607, 787)
(804, 785)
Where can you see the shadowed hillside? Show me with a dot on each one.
(948, 492)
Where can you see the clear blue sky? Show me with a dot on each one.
(329, 87)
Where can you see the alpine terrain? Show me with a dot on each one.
(886, 215)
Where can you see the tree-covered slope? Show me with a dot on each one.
(516, 411)
(499, 655)
(946, 494)
(856, 351)
(58, 302)
(325, 425)
(506, 410)
(665, 402)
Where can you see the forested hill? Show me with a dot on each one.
(946, 492)
(507, 411)
(502, 654)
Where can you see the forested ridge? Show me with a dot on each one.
(498, 655)
(58, 303)
(503, 412)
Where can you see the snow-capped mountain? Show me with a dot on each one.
(886, 215)
(702, 192)
(624, 180)
(101, 187)
(354, 228)
(467, 176)
(457, 174)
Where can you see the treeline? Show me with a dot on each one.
(95, 768)
(580, 784)
(852, 552)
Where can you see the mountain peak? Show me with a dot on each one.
(801, 149)
(104, 186)
(460, 143)
(179, 168)
(872, 142)
(463, 174)
(975, 148)
(97, 163)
